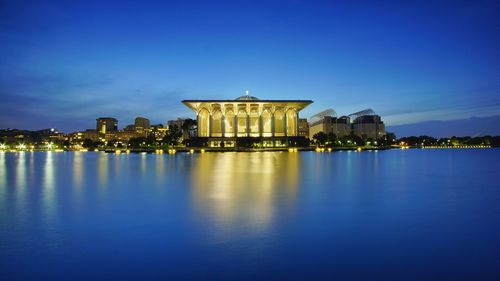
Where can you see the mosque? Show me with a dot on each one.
(223, 122)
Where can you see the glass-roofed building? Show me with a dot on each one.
(223, 121)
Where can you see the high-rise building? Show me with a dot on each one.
(368, 127)
(365, 124)
(330, 125)
(141, 122)
(106, 124)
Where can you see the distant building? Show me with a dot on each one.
(365, 124)
(186, 126)
(158, 131)
(342, 126)
(106, 124)
(123, 135)
(83, 135)
(330, 125)
(303, 127)
(141, 122)
(129, 128)
(368, 127)
(176, 123)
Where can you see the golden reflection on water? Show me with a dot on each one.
(102, 169)
(49, 187)
(21, 172)
(235, 188)
(3, 179)
(78, 170)
(3, 171)
(159, 166)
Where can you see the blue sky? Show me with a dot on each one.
(65, 63)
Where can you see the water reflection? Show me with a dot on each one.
(102, 169)
(3, 174)
(243, 188)
(160, 168)
(21, 172)
(49, 188)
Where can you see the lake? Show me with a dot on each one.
(418, 214)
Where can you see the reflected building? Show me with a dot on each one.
(224, 121)
(229, 189)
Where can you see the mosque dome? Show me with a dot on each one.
(247, 97)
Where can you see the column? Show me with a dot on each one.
(248, 124)
(199, 125)
(223, 125)
(285, 123)
(296, 123)
(260, 125)
(272, 124)
(210, 125)
(235, 126)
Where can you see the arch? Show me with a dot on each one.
(279, 123)
(229, 123)
(267, 130)
(203, 123)
(254, 119)
(216, 123)
(242, 123)
(291, 122)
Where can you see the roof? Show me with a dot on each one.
(195, 105)
(247, 101)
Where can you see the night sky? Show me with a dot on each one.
(63, 64)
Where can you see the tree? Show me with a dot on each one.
(88, 143)
(320, 138)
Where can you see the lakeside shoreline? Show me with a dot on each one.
(173, 150)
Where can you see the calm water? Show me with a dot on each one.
(387, 215)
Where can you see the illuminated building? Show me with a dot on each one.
(224, 121)
(123, 135)
(83, 135)
(106, 124)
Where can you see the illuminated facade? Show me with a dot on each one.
(223, 121)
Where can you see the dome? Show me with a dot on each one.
(247, 97)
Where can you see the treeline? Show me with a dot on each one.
(332, 140)
(453, 141)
